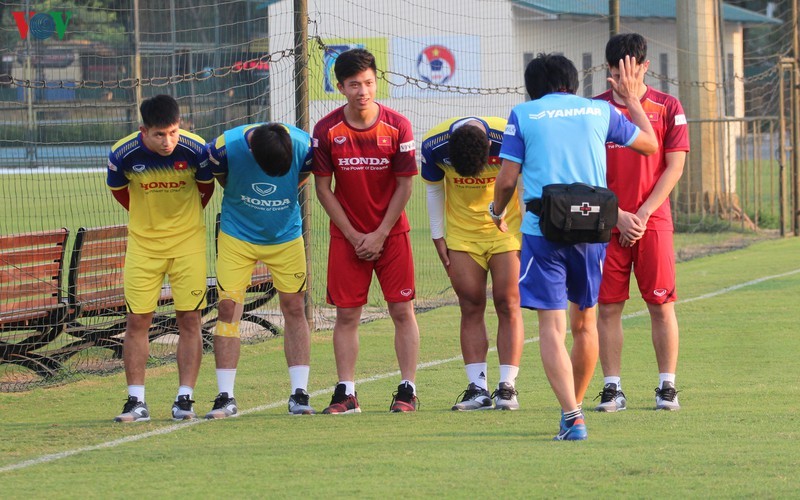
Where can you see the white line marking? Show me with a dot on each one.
(172, 428)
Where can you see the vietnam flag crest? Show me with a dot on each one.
(384, 140)
(180, 165)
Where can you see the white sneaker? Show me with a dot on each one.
(667, 397)
(474, 398)
(505, 397)
(183, 409)
(133, 411)
(224, 407)
(298, 403)
(611, 399)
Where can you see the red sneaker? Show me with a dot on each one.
(404, 400)
(341, 402)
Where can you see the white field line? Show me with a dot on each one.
(172, 428)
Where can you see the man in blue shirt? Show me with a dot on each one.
(260, 167)
(559, 138)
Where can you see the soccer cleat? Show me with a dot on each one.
(182, 409)
(133, 411)
(404, 400)
(576, 432)
(611, 399)
(505, 397)
(667, 397)
(474, 398)
(341, 402)
(298, 403)
(224, 407)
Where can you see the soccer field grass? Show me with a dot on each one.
(736, 435)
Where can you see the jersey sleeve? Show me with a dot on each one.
(115, 178)
(513, 147)
(676, 137)
(204, 173)
(620, 130)
(404, 162)
(431, 172)
(303, 155)
(218, 156)
(321, 153)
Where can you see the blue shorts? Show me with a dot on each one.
(553, 273)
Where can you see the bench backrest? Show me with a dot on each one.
(96, 282)
(30, 274)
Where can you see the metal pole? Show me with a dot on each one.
(302, 121)
(795, 99)
(782, 148)
(613, 17)
(30, 151)
(137, 58)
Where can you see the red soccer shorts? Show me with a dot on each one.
(652, 259)
(349, 277)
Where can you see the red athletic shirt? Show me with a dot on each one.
(365, 164)
(632, 176)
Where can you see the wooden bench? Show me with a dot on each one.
(32, 309)
(96, 294)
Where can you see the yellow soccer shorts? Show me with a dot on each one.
(144, 278)
(236, 260)
(482, 251)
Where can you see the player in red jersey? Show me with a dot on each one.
(370, 150)
(642, 239)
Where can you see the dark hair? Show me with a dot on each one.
(272, 148)
(160, 111)
(469, 150)
(352, 62)
(626, 44)
(549, 73)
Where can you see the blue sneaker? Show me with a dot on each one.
(575, 433)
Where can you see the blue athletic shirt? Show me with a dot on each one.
(256, 207)
(560, 139)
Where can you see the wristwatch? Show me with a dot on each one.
(493, 215)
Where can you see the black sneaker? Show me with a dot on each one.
(224, 407)
(611, 399)
(182, 409)
(298, 403)
(133, 411)
(667, 397)
(404, 400)
(473, 398)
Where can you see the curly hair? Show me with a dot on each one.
(469, 150)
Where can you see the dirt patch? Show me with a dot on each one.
(689, 251)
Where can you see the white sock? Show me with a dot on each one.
(413, 386)
(613, 380)
(508, 374)
(476, 374)
(226, 377)
(137, 391)
(349, 387)
(665, 377)
(184, 390)
(298, 376)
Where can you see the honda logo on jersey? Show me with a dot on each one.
(264, 189)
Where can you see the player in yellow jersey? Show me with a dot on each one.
(160, 174)
(459, 165)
